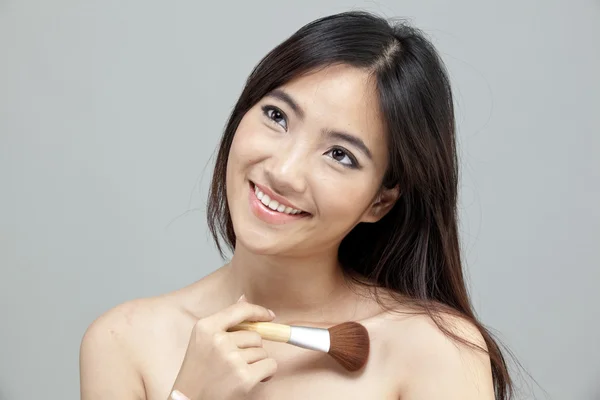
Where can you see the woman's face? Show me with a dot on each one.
(306, 164)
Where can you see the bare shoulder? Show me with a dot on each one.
(123, 326)
(128, 347)
(436, 365)
(112, 348)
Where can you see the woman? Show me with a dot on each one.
(336, 188)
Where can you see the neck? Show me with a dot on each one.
(296, 289)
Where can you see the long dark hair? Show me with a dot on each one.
(414, 250)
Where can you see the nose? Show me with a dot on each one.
(286, 169)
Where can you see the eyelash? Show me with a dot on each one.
(266, 109)
(353, 162)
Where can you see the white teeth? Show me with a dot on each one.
(266, 200)
(258, 193)
(274, 204)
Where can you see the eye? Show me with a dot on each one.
(275, 115)
(344, 157)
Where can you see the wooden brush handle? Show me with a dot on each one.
(267, 330)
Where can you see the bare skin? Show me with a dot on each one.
(135, 351)
(287, 145)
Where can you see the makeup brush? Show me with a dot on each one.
(347, 343)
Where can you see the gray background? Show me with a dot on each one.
(110, 112)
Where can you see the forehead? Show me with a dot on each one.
(341, 97)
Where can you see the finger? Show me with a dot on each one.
(239, 312)
(263, 370)
(253, 354)
(245, 339)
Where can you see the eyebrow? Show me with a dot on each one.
(344, 136)
(286, 98)
(353, 140)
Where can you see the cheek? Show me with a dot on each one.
(247, 146)
(343, 200)
(238, 153)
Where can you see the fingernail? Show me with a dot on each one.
(177, 395)
(272, 313)
(242, 298)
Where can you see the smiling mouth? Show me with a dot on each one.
(274, 205)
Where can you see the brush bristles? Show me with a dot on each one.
(349, 345)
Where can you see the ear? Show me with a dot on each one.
(383, 203)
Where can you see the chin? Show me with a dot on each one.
(257, 238)
(255, 243)
(262, 231)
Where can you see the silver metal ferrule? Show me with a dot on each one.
(310, 338)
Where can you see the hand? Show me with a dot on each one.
(221, 365)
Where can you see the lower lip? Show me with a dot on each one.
(266, 214)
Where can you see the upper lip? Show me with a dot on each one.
(276, 197)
